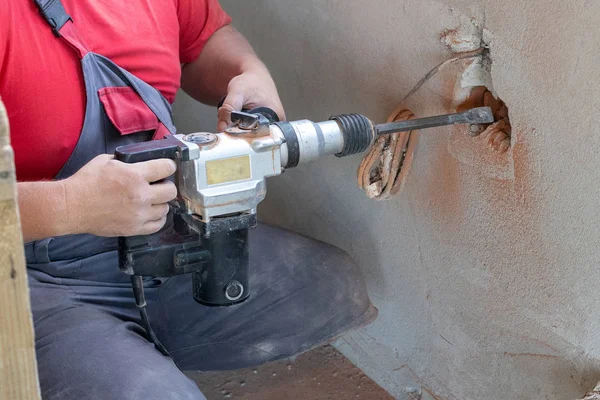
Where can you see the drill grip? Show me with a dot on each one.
(264, 111)
(169, 147)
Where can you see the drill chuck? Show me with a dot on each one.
(342, 135)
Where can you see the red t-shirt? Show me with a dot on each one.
(41, 83)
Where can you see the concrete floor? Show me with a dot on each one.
(321, 374)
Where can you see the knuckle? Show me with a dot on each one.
(140, 197)
(101, 159)
(139, 217)
(162, 167)
(135, 174)
(236, 80)
(171, 190)
(149, 229)
(156, 225)
(226, 110)
(160, 211)
(170, 166)
(145, 192)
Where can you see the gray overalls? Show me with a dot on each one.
(89, 339)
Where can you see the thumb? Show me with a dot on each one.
(233, 102)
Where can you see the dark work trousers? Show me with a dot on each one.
(90, 343)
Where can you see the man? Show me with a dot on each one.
(81, 77)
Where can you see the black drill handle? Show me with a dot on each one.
(169, 147)
(155, 254)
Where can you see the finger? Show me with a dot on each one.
(279, 110)
(157, 211)
(151, 227)
(155, 170)
(233, 102)
(162, 192)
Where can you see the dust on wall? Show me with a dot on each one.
(483, 269)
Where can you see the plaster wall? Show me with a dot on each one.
(485, 267)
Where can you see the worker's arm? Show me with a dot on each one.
(106, 197)
(227, 65)
(43, 209)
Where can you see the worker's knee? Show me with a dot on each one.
(135, 384)
(147, 383)
(317, 277)
(342, 301)
(326, 302)
(318, 290)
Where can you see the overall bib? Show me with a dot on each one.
(89, 339)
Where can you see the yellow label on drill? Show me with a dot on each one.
(228, 170)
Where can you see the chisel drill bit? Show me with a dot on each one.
(480, 115)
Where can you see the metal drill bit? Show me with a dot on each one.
(480, 115)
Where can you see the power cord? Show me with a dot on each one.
(137, 283)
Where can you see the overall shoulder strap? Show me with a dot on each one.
(61, 24)
(54, 13)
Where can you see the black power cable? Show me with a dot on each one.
(137, 283)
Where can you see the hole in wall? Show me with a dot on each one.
(497, 135)
(473, 86)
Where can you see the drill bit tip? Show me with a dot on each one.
(479, 115)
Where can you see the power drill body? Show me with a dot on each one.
(221, 179)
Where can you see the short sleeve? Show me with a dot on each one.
(198, 20)
(5, 22)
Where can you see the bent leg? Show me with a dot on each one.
(88, 352)
(303, 293)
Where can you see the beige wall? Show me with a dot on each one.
(486, 267)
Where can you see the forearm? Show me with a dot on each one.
(226, 55)
(43, 210)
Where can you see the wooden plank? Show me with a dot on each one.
(18, 367)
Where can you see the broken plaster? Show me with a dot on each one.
(478, 73)
(470, 35)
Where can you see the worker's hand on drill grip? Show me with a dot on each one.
(110, 198)
(251, 89)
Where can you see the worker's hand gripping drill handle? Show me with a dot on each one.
(109, 198)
